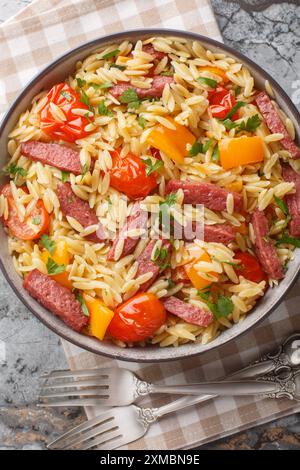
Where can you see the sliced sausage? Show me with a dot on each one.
(293, 200)
(179, 275)
(275, 124)
(189, 313)
(137, 220)
(155, 91)
(146, 265)
(61, 157)
(265, 251)
(219, 233)
(56, 298)
(72, 206)
(210, 195)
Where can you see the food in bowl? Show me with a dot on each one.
(154, 195)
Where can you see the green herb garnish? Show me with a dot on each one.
(47, 243)
(64, 176)
(290, 240)
(206, 145)
(221, 308)
(120, 67)
(80, 82)
(100, 87)
(15, 170)
(54, 268)
(111, 54)
(66, 95)
(130, 97)
(229, 124)
(104, 110)
(251, 124)
(167, 73)
(216, 154)
(84, 308)
(282, 205)
(207, 81)
(151, 167)
(142, 122)
(85, 100)
(84, 169)
(195, 149)
(234, 108)
(237, 90)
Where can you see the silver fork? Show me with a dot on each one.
(120, 387)
(120, 425)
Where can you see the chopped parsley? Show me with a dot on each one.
(64, 176)
(49, 244)
(111, 54)
(167, 73)
(206, 145)
(151, 167)
(290, 240)
(100, 87)
(80, 82)
(130, 97)
(142, 122)
(66, 95)
(87, 116)
(207, 81)
(251, 124)
(216, 154)
(54, 268)
(15, 170)
(84, 308)
(103, 110)
(221, 308)
(160, 257)
(85, 100)
(120, 67)
(282, 205)
(234, 108)
(237, 90)
(229, 124)
(195, 149)
(84, 169)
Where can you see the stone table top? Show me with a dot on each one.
(28, 349)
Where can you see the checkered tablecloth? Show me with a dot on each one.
(33, 38)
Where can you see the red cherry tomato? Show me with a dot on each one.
(66, 99)
(221, 101)
(138, 318)
(249, 267)
(33, 226)
(128, 175)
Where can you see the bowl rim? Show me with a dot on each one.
(125, 354)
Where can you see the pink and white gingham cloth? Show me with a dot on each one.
(32, 39)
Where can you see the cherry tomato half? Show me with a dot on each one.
(249, 267)
(221, 101)
(128, 175)
(67, 99)
(34, 225)
(138, 318)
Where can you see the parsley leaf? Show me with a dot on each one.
(195, 149)
(66, 95)
(171, 283)
(251, 124)
(80, 82)
(84, 308)
(221, 308)
(49, 244)
(15, 170)
(104, 110)
(120, 67)
(170, 199)
(207, 81)
(216, 154)
(282, 205)
(151, 167)
(111, 54)
(84, 169)
(64, 176)
(290, 240)
(206, 145)
(129, 96)
(142, 122)
(54, 268)
(102, 86)
(167, 73)
(229, 124)
(85, 100)
(234, 108)
(160, 257)
(86, 115)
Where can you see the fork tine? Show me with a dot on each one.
(77, 393)
(105, 441)
(104, 429)
(77, 373)
(75, 402)
(83, 427)
(79, 383)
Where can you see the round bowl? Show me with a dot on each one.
(57, 71)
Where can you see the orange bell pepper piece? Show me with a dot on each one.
(172, 142)
(100, 316)
(240, 151)
(195, 277)
(216, 71)
(60, 256)
(235, 186)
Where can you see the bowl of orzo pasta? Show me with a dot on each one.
(150, 195)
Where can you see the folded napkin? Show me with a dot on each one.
(33, 38)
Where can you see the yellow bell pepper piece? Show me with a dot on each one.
(172, 142)
(235, 186)
(60, 256)
(215, 71)
(100, 316)
(241, 151)
(195, 277)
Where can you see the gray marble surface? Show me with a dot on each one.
(27, 348)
